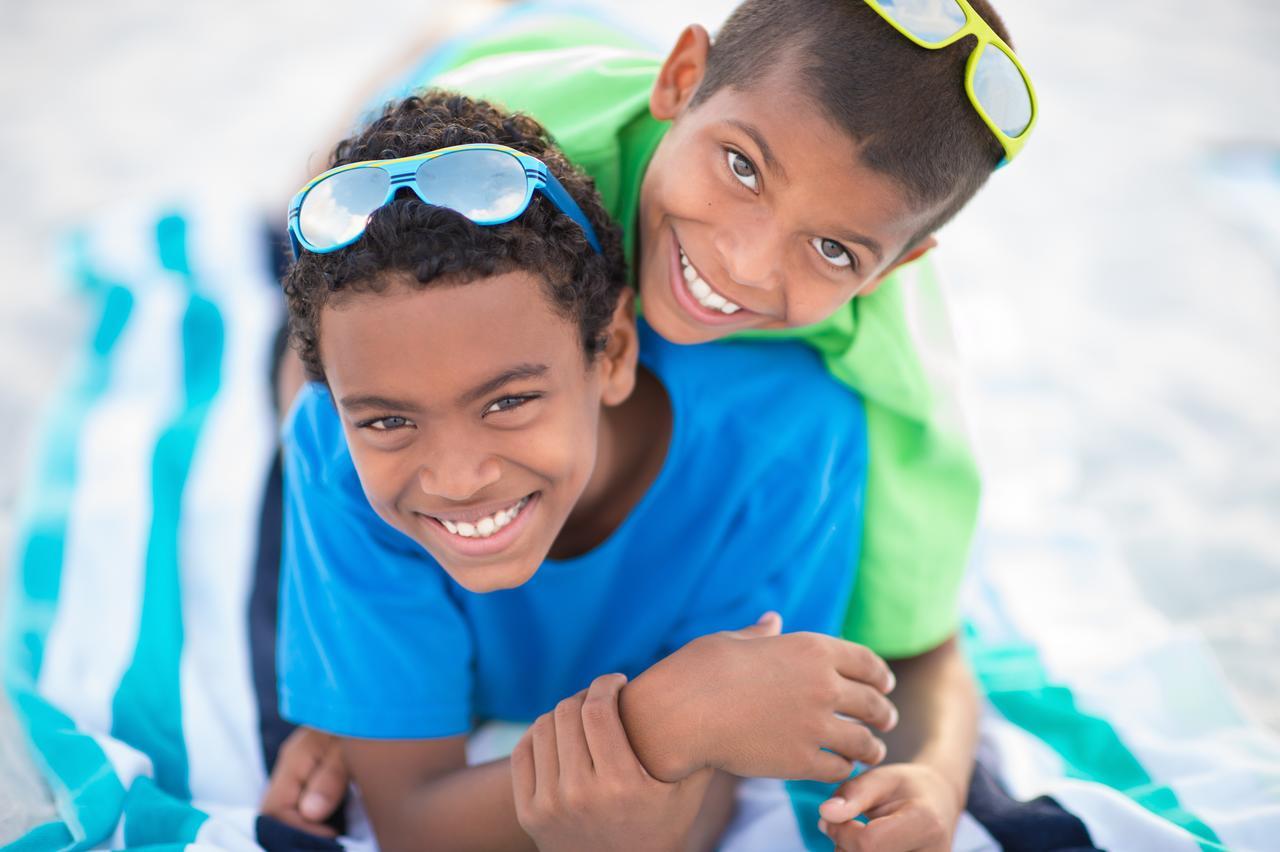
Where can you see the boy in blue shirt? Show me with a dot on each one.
(499, 490)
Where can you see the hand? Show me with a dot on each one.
(308, 783)
(578, 785)
(755, 703)
(909, 806)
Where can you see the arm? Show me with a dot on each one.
(915, 799)
(785, 693)
(940, 730)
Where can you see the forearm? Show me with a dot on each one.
(938, 701)
(470, 808)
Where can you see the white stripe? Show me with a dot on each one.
(129, 764)
(230, 829)
(763, 819)
(1159, 688)
(970, 836)
(91, 641)
(1028, 768)
(220, 508)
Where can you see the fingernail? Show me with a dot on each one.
(893, 682)
(893, 718)
(313, 806)
(823, 827)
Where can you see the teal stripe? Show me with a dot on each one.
(1014, 679)
(805, 797)
(154, 819)
(147, 710)
(89, 795)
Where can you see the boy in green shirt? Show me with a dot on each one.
(781, 181)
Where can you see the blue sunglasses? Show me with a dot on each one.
(489, 184)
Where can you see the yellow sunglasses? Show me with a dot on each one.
(994, 79)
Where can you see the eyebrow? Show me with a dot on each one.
(757, 137)
(386, 403)
(520, 371)
(359, 401)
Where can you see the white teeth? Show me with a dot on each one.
(702, 292)
(487, 526)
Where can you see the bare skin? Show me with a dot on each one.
(423, 788)
(915, 798)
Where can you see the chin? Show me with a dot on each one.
(492, 578)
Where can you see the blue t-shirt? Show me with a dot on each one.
(758, 506)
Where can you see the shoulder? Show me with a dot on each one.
(775, 395)
(315, 447)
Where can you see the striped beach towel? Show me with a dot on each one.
(140, 672)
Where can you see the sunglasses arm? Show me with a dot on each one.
(562, 199)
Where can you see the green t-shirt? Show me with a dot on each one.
(589, 85)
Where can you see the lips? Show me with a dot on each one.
(481, 531)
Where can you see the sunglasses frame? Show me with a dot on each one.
(403, 172)
(975, 26)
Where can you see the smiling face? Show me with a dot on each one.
(472, 415)
(756, 212)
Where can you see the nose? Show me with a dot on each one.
(457, 474)
(751, 253)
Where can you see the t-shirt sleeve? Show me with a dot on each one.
(371, 643)
(792, 542)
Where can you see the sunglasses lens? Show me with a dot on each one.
(931, 21)
(487, 187)
(1002, 92)
(336, 209)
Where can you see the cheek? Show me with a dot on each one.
(384, 477)
(812, 299)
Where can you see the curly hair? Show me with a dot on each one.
(422, 244)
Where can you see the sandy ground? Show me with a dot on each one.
(1117, 298)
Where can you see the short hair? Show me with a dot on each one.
(423, 244)
(904, 106)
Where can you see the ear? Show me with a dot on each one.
(680, 74)
(917, 251)
(617, 363)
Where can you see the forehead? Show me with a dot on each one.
(411, 341)
(819, 166)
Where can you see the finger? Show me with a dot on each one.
(298, 758)
(325, 788)
(769, 624)
(853, 741)
(866, 704)
(903, 830)
(858, 796)
(848, 837)
(298, 821)
(859, 663)
(828, 768)
(546, 765)
(571, 741)
(606, 737)
(523, 782)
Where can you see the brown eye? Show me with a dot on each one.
(832, 252)
(743, 169)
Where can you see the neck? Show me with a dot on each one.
(631, 448)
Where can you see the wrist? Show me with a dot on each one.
(655, 711)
